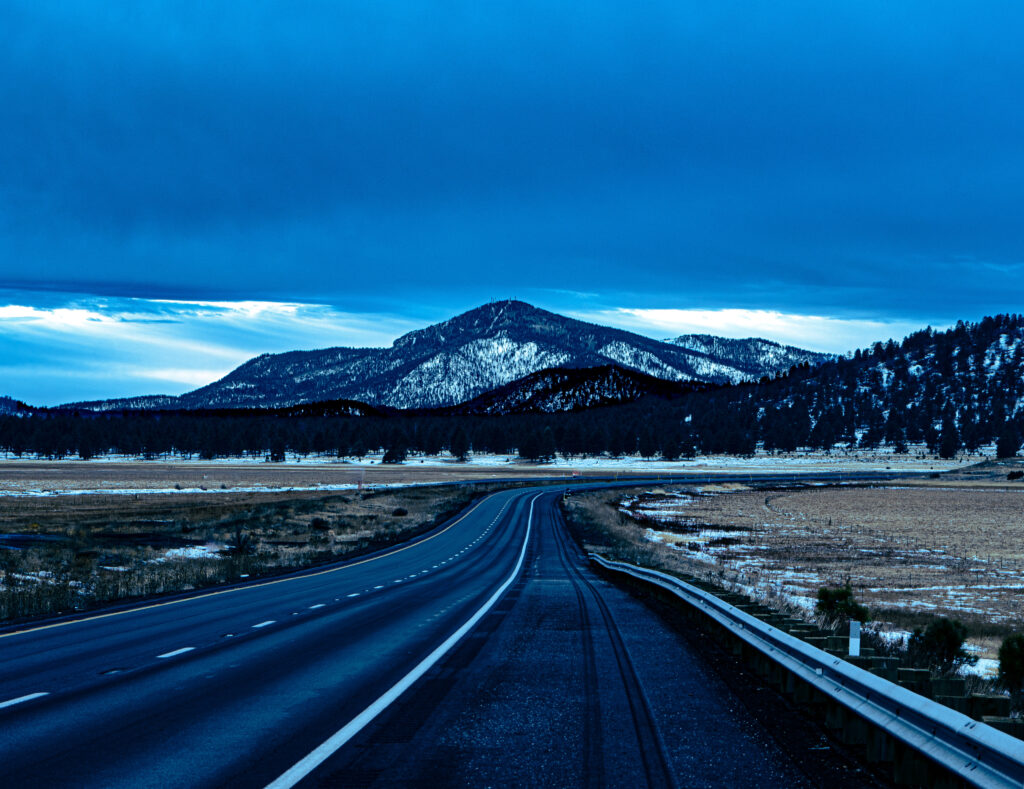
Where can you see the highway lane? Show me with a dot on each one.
(235, 687)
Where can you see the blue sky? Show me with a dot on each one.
(826, 174)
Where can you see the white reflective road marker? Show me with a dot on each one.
(176, 652)
(347, 732)
(20, 699)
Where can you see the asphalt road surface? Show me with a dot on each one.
(485, 654)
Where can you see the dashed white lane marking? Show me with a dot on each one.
(176, 652)
(319, 605)
(20, 699)
(318, 756)
(264, 624)
(378, 587)
(354, 594)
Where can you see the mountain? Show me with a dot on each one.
(454, 361)
(561, 389)
(754, 356)
(947, 391)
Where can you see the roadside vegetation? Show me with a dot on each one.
(729, 536)
(92, 550)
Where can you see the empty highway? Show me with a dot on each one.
(485, 653)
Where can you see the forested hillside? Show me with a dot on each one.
(947, 391)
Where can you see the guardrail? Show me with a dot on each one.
(963, 747)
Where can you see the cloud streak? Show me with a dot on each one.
(781, 156)
(95, 347)
(813, 332)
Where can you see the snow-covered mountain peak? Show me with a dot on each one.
(458, 359)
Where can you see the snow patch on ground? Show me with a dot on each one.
(42, 493)
(209, 551)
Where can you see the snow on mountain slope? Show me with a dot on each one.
(456, 360)
(746, 357)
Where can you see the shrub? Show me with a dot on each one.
(1014, 475)
(242, 544)
(1011, 665)
(400, 512)
(940, 646)
(837, 604)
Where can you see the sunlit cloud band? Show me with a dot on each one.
(813, 332)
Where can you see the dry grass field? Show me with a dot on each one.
(63, 553)
(910, 552)
(42, 477)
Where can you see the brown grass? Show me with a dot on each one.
(910, 553)
(74, 552)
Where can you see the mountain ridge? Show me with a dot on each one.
(472, 353)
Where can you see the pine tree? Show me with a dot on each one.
(458, 445)
(1009, 441)
(950, 441)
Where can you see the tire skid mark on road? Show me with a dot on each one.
(592, 735)
(653, 751)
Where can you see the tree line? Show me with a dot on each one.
(950, 392)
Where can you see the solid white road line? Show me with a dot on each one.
(176, 652)
(20, 699)
(304, 767)
(264, 624)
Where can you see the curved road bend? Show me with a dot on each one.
(564, 681)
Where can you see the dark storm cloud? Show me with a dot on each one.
(860, 158)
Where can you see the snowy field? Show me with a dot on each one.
(117, 475)
(909, 553)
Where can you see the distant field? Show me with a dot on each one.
(910, 552)
(22, 476)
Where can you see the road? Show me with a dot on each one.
(484, 654)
